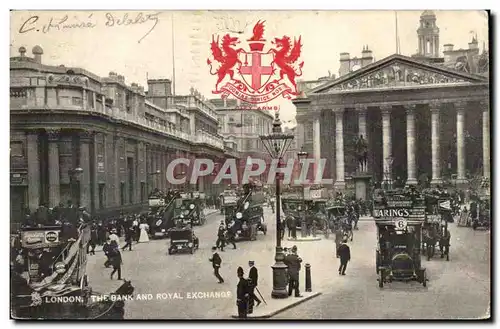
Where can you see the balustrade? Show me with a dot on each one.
(19, 101)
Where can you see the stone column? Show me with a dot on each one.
(435, 146)
(386, 144)
(85, 140)
(117, 146)
(460, 107)
(339, 149)
(33, 171)
(362, 110)
(54, 173)
(316, 143)
(486, 139)
(410, 145)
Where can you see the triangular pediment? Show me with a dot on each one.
(397, 71)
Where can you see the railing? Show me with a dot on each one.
(193, 101)
(206, 138)
(116, 113)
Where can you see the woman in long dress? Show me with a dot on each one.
(144, 232)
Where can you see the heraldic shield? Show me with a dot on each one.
(256, 69)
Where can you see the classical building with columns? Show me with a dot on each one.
(99, 142)
(423, 118)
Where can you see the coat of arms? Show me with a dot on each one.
(258, 75)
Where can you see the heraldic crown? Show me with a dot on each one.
(258, 75)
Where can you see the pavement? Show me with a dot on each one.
(182, 286)
(458, 289)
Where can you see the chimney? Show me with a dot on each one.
(345, 66)
(448, 48)
(473, 44)
(121, 78)
(112, 74)
(37, 54)
(366, 56)
(22, 52)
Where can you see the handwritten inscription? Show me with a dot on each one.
(109, 20)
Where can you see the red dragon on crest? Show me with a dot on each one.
(283, 57)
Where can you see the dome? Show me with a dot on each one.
(37, 50)
(22, 50)
(428, 13)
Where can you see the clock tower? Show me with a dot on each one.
(428, 35)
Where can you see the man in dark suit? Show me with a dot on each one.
(345, 256)
(253, 279)
(293, 262)
(216, 262)
(242, 295)
(221, 236)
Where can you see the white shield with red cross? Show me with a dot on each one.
(256, 69)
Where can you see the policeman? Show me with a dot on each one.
(242, 295)
(253, 279)
(293, 262)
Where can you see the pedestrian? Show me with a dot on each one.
(345, 256)
(253, 279)
(293, 262)
(216, 263)
(116, 260)
(221, 236)
(113, 236)
(230, 234)
(242, 295)
(129, 235)
(93, 239)
(106, 248)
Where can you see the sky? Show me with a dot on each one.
(143, 47)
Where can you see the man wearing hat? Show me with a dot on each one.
(253, 278)
(221, 236)
(345, 255)
(293, 261)
(216, 262)
(242, 294)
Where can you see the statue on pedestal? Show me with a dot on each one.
(362, 153)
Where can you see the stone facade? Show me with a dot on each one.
(117, 137)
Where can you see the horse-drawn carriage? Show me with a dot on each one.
(339, 223)
(399, 219)
(435, 229)
(49, 279)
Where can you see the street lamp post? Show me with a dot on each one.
(276, 145)
(303, 229)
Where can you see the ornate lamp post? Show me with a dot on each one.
(303, 229)
(73, 178)
(276, 145)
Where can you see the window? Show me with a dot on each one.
(128, 102)
(16, 149)
(249, 145)
(90, 99)
(76, 101)
(309, 131)
(143, 191)
(102, 196)
(122, 193)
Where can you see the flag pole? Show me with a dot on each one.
(173, 57)
(397, 36)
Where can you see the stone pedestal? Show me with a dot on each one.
(362, 185)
